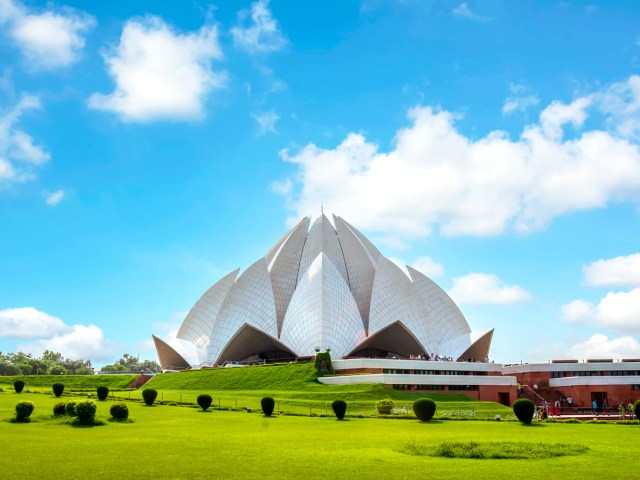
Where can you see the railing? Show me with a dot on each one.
(535, 394)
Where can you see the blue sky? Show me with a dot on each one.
(149, 148)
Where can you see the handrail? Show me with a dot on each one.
(534, 392)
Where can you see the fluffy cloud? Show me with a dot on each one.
(78, 341)
(600, 346)
(19, 156)
(435, 176)
(47, 332)
(257, 31)
(159, 73)
(619, 311)
(577, 311)
(483, 288)
(47, 40)
(266, 122)
(55, 198)
(27, 322)
(618, 271)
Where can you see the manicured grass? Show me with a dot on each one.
(296, 391)
(169, 442)
(42, 383)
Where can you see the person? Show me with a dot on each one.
(557, 405)
(630, 410)
(605, 406)
(621, 411)
(594, 405)
(519, 387)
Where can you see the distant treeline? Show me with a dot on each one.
(53, 363)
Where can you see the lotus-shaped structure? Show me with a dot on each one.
(326, 285)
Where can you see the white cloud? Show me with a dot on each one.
(161, 74)
(27, 322)
(435, 176)
(48, 40)
(424, 265)
(78, 342)
(259, 35)
(428, 266)
(55, 198)
(463, 10)
(618, 311)
(51, 333)
(578, 311)
(482, 288)
(266, 122)
(618, 271)
(519, 100)
(19, 156)
(600, 346)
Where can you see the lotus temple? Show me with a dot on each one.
(324, 286)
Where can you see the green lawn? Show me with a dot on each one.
(166, 442)
(42, 383)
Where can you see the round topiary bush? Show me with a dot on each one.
(119, 411)
(24, 410)
(86, 411)
(70, 409)
(339, 408)
(204, 401)
(424, 408)
(18, 386)
(58, 388)
(636, 409)
(103, 393)
(149, 395)
(59, 409)
(523, 408)
(384, 407)
(267, 404)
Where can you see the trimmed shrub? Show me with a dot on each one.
(267, 404)
(204, 401)
(636, 409)
(384, 407)
(523, 408)
(424, 408)
(18, 386)
(59, 409)
(103, 393)
(339, 408)
(149, 395)
(86, 411)
(322, 363)
(24, 410)
(58, 388)
(70, 409)
(119, 411)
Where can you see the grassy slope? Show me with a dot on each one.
(296, 389)
(170, 442)
(71, 382)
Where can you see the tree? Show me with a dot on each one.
(129, 363)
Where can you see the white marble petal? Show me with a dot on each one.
(322, 312)
(249, 301)
(198, 324)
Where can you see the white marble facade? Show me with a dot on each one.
(324, 284)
